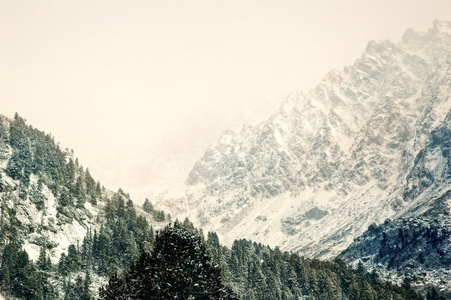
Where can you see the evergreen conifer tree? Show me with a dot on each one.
(147, 206)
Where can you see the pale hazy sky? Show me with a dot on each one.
(110, 79)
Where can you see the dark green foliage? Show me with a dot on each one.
(45, 288)
(433, 295)
(79, 191)
(91, 188)
(62, 265)
(178, 268)
(147, 206)
(44, 263)
(120, 239)
(4, 134)
(72, 259)
(71, 262)
(413, 244)
(36, 195)
(259, 272)
(9, 232)
(78, 290)
(21, 163)
(124, 242)
(34, 152)
(18, 272)
(177, 263)
(180, 265)
(184, 266)
(86, 252)
(122, 236)
(115, 289)
(102, 251)
(158, 215)
(143, 234)
(20, 278)
(65, 198)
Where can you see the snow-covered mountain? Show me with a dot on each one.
(78, 234)
(417, 243)
(330, 162)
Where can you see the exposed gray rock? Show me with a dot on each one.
(332, 161)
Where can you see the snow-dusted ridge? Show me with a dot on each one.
(51, 226)
(332, 161)
(417, 242)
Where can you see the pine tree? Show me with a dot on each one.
(5, 276)
(102, 251)
(36, 195)
(130, 212)
(86, 293)
(43, 263)
(18, 275)
(62, 265)
(73, 260)
(114, 289)
(147, 206)
(70, 172)
(80, 192)
(178, 268)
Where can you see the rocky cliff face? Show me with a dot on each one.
(32, 208)
(417, 243)
(334, 160)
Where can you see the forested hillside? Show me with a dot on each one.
(61, 231)
(64, 236)
(184, 264)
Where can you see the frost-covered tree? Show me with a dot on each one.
(179, 267)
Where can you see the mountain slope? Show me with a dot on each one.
(57, 223)
(332, 161)
(417, 243)
(62, 235)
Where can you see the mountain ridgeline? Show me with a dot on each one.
(64, 236)
(356, 171)
(61, 231)
(369, 143)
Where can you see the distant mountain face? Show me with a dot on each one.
(332, 161)
(417, 244)
(63, 235)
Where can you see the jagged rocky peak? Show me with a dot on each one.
(432, 165)
(415, 244)
(440, 30)
(344, 149)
